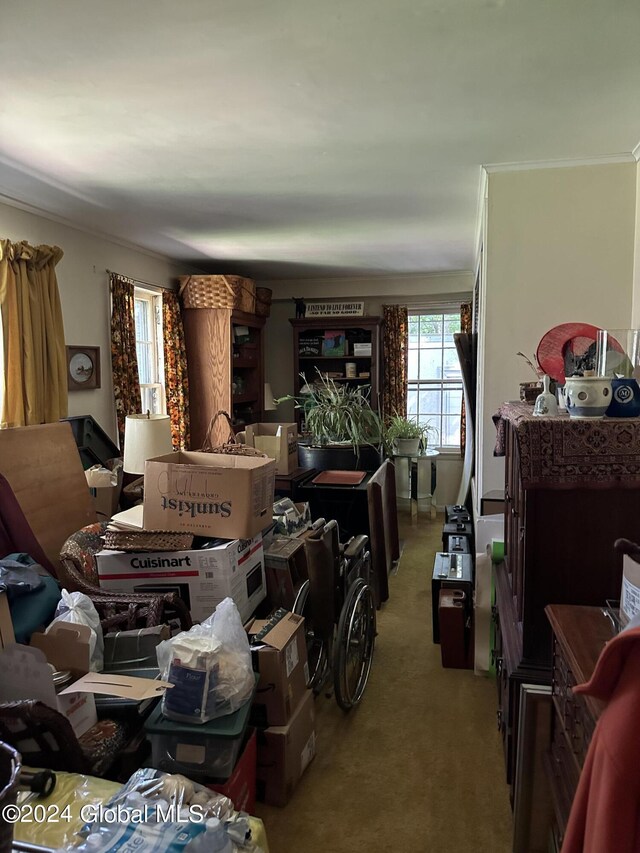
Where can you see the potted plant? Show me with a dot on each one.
(407, 435)
(341, 429)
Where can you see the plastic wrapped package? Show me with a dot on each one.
(77, 608)
(209, 666)
(62, 808)
(156, 811)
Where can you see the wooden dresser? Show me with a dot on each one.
(579, 635)
(572, 487)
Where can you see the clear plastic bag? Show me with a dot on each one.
(77, 608)
(209, 666)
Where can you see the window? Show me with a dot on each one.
(149, 350)
(434, 393)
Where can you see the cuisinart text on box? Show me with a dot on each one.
(202, 578)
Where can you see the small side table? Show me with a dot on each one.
(425, 483)
(287, 485)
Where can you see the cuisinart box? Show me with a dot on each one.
(201, 578)
(208, 494)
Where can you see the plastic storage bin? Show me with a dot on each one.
(204, 753)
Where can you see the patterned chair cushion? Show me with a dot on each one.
(102, 743)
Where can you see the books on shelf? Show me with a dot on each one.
(334, 343)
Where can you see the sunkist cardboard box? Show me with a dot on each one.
(280, 658)
(284, 753)
(202, 577)
(278, 441)
(208, 494)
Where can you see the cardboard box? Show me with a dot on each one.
(278, 441)
(208, 494)
(7, 637)
(284, 753)
(240, 787)
(25, 673)
(285, 566)
(105, 486)
(201, 578)
(281, 662)
(630, 590)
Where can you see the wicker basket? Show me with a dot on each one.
(263, 301)
(147, 540)
(244, 290)
(231, 445)
(207, 291)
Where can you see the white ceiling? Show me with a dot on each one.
(283, 138)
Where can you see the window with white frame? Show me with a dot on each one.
(434, 393)
(149, 350)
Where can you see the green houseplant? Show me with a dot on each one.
(407, 435)
(342, 430)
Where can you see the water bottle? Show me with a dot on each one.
(214, 839)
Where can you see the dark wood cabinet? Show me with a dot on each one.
(572, 488)
(579, 635)
(361, 348)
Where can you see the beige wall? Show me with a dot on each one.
(559, 247)
(84, 292)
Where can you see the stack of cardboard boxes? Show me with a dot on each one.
(283, 709)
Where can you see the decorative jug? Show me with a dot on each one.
(625, 399)
(587, 396)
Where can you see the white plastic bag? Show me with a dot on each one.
(210, 666)
(77, 608)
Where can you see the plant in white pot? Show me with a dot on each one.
(408, 436)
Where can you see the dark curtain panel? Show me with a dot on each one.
(395, 332)
(175, 370)
(465, 326)
(124, 361)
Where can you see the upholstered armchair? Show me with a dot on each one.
(118, 610)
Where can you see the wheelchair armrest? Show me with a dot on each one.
(355, 546)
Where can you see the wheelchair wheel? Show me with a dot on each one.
(316, 647)
(353, 648)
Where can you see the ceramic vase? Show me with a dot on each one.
(587, 396)
(625, 399)
(546, 404)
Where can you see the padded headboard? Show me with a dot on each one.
(43, 468)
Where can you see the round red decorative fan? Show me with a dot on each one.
(566, 348)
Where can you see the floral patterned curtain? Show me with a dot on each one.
(175, 370)
(35, 366)
(395, 333)
(124, 361)
(465, 326)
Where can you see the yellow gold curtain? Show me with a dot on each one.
(35, 368)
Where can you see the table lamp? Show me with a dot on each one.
(145, 436)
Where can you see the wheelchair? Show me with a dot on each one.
(337, 603)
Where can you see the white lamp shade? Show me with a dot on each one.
(145, 436)
(269, 402)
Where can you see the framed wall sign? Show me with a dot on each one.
(83, 368)
(334, 309)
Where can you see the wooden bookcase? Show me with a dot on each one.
(309, 356)
(219, 359)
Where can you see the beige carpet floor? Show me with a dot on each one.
(418, 766)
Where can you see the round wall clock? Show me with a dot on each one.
(83, 368)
